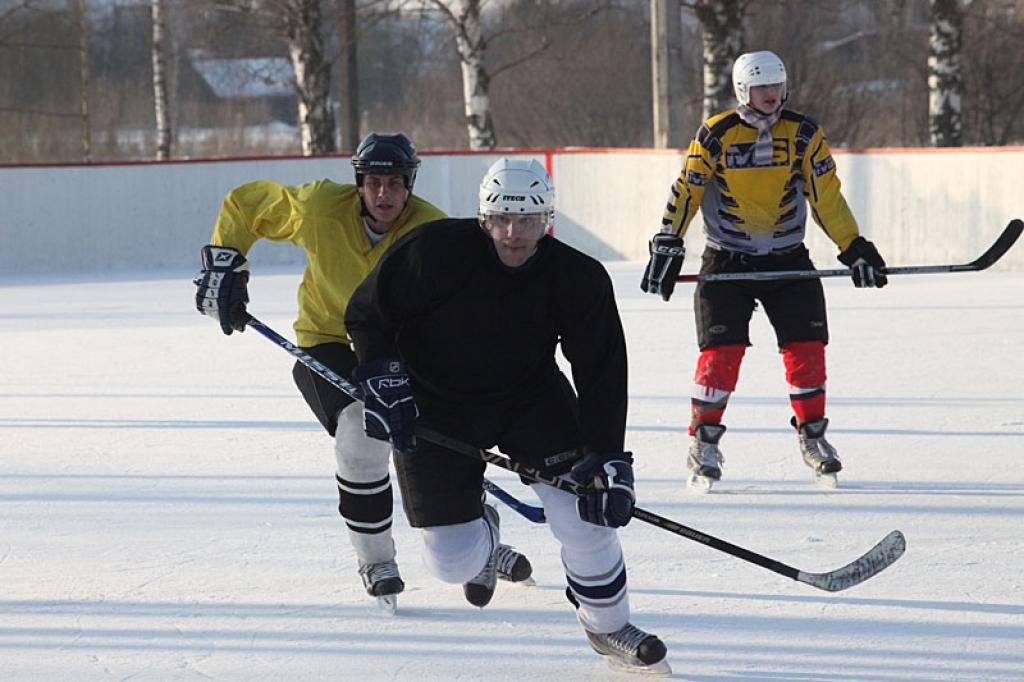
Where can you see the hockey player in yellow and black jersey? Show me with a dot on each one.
(344, 230)
(753, 172)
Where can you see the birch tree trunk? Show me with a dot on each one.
(303, 21)
(464, 18)
(945, 84)
(83, 81)
(348, 74)
(722, 24)
(160, 105)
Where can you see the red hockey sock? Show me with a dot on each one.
(805, 374)
(718, 369)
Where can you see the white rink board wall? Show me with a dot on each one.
(920, 206)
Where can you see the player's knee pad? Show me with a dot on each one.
(457, 553)
(805, 364)
(360, 458)
(582, 543)
(718, 367)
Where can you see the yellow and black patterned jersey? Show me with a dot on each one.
(759, 209)
(324, 218)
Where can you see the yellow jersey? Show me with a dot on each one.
(759, 209)
(324, 218)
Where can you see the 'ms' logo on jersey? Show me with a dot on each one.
(824, 166)
(741, 154)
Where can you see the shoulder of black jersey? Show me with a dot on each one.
(434, 238)
(572, 260)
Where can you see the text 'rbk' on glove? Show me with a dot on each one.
(667, 253)
(868, 266)
(609, 498)
(223, 287)
(389, 411)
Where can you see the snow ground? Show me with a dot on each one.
(167, 503)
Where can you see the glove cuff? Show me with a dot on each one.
(859, 248)
(374, 368)
(223, 259)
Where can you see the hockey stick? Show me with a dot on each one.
(879, 557)
(985, 260)
(535, 514)
(530, 512)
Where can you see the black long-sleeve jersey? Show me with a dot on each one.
(473, 332)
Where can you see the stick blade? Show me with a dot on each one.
(877, 559)
(1007, 239)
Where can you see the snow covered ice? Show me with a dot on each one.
(168, 505)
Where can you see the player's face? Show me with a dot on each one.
(384, 197)
(766, 98)
(515, 236)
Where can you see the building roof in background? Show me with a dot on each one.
(248, 77)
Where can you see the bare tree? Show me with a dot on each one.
(348, 73)
(463, 16)
(160, 104)
(722, 21)
(299, 23)
(528, 21)
(944, 73)
(666, 36)
(83, 81)
(303, 21)
(994, 73)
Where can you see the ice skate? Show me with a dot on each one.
(630, 649)
(480, 589)
(705, 459)
(818, 453)
(383, 582)
(512, 566)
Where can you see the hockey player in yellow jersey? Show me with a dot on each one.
(344, 230)
(753, 171)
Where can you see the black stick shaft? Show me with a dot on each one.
(826, 581)
(1001, 245)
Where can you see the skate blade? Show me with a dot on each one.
(829, 481)
(388, 603)
(699, 484)
(659, 669)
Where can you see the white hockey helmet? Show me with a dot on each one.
(757, 68)
(513, 186)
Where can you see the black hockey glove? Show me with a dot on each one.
(609, 502)
(862, 256)
(667, 253)
(223, 284)
(389, 411)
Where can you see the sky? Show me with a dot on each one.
(168, 508)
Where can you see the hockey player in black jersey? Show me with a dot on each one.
(459, 324)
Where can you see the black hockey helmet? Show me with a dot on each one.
(386, 154)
